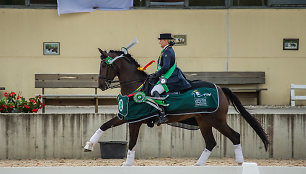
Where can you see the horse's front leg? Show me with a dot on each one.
(134, 131)
(95, 138)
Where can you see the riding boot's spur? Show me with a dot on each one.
(162, 116)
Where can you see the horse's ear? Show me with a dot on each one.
(103, 53)
(100, 50)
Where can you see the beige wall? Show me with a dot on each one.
(254, 43)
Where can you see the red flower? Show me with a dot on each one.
(18, 97)
(34, 110)
(5, 94)
(1, 109)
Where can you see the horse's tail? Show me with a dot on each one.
(247, 116)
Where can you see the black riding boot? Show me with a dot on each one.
(162, 114)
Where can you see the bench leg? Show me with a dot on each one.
(258, 98)
(96, 107)
(43, 109)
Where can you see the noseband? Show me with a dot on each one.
(109, 61)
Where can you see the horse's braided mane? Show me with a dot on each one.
(129, 57)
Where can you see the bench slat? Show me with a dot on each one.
(227, 78)
(66, 84)
(66, 80)
(293, 86)
(66, 76)
(298, 98)
(248, 89)
(49, 96)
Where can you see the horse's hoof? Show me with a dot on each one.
(239, 164)
(196, 164)
(126, 164)
(88, 147)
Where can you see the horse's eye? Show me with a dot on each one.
(104, 64)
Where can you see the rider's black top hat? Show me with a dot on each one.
(165, 36)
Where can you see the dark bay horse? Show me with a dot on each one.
(130, 78)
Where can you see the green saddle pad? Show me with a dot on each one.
(200, 100)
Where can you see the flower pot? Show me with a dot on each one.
(16, 111)
(113, 149)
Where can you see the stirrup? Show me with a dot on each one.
(162, 119)
(88, 147)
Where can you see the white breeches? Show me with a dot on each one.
(159, 88)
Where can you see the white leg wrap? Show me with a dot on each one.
(95, 138)
(238, 153)
(130, 158)
(203, 158)
(88, 146)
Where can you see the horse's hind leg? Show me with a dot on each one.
(234, 137)
(94, 139)
(206, 130)
(134, 132)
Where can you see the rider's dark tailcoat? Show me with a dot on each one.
(177, 81)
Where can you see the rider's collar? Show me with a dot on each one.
(165, 47)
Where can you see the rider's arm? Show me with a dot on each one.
(166, 58)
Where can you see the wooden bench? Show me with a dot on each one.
(244, 83)
(72, 81)
(293, 97)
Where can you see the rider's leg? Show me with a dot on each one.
(156, 91)
(158, 88)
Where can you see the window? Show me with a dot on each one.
(139, 3)
(27, 2)
(12, 2)
(43, 1)
(249, 2)
(287, 3)
(206, 3)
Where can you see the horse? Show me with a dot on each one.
(125, 67)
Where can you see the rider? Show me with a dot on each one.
(171, 78)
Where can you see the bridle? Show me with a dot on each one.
(109, 61)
